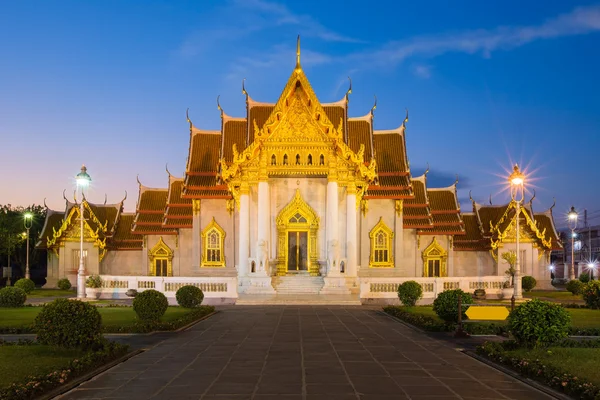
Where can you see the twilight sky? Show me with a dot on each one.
(487, 84)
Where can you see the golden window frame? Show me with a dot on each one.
(435, 252)
(206, 262)
(160, 251)
(381, 229)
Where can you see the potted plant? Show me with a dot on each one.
(508, 289)
(479, 294)
(94, 286)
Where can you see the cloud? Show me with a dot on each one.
(422, 71)
(580, 21)
(279, 14)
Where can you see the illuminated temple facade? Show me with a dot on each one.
(297, 191)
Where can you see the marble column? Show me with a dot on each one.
(332, 229)
(196, 236)
(244, 238)
(351, 240)
(263, 244)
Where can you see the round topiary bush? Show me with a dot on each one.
(591, 294)
(528, 283)
(585, 277)
(446, 304)
(150, 305)
(189, 296)
(12, 297)
(539, 323)
(409, 293)
(26, 284)
(68, 323)
(575, 286)
(64, 284)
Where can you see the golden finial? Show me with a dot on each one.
(64, 196)
(45, 205)
(405, 118)
(349, 89)
(553, 204)
(456, 181)
(187, 117)
(124, 198)
(167, 169)
(374, 105)
(426, 171)
(219, 105)
(470, 197)
(298, 52)
(138, 180)
(533, 197)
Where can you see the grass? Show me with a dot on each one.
(16, 362)
(561, 296)
(581, 362)
(580, 317)
(52, 293)
(111, 316)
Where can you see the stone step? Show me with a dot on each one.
(298, 299)
(301, 284)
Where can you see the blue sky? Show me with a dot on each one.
(487, 84)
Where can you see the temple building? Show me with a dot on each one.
(297, 196)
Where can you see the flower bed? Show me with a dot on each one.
(34, 386)
(558, 378)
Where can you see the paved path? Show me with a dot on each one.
(302, 352)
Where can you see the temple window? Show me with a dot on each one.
(434, 260)
(213, 238)
(273, 160)
(381, 245)
(285, 159)
(297, 159)
(161, 257)
(321, 160)
(310, 159)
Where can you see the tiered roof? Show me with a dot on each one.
(150, 212)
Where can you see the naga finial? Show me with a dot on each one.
(374, 105)
(244, 87)
(219, 105)
(349, 89)
(532, 197)
(426, 171)
(124, 198)
(471, 197)
(137, 178)
(64, 196)
(456, 181)
(491, 200)
(553, 204)
(105, 198)
(405, 119)
(167, 169)
(45, 205)
(187, 117)
(298, 52)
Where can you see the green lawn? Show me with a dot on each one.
(52, 293)
(16, 362)
(581, 362)
(562, 296)
(580, 317)
(122, 316)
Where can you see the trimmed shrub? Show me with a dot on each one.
(539, 323)
(68, 323)
(528, 283)
(575, 286)
(64, 284)
(93, 282)
(409, 293)
(591, 294)
(189, 296)
(150, 305)
(26, 284)
(446, 304)
(12, 297)
(585, 277)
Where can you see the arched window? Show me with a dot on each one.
(213, 238)
(310, 159)
(434, 260)
(273, 160)
(381, 245)
(161, 257)
(285, 159)
(297, 159)
(321, 160)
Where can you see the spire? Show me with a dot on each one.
(349, 89)
(298, 53)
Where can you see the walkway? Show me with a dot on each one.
(303, 352)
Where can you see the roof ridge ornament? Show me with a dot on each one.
(533, 197)
(374, 106)
(426, 171)
(349, 89)
(298, 53)
(456, 181)
(137, 178)
(491, 200)
(553, 204)
(219, 106)
(105, 198)
(167, 169)
(45, 205)
(124, 198)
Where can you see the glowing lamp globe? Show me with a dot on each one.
(516, 178)
(28, 216)
(572, 214)
(83, 179)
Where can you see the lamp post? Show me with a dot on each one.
(27, 221)
(517, 193)
(591, 267)
(572, 217)
(83, 181)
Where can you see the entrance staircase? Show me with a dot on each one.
(298, 284)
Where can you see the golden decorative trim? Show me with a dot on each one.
(381, 246)
(213, 256)
(434, 252)
(196, 206)
(160, 251)
(399, 205)
(230, 206)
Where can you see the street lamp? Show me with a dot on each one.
(572, 217)
(517, 193)
(83, 181)
(591, 267)
(27, 221)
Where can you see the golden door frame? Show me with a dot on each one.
(160, 251)
(288, 221)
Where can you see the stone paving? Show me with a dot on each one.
(302, 352)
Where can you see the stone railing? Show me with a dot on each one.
(386, 289)
(216, 289)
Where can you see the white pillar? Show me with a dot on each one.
(196, 237)
(450, 262)
(351, 240)
(332, 228)
(398, 233)
(244, 239)
(263, 228)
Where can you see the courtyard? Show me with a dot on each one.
(302, 352)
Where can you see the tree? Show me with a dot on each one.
(13, 247)
(510, 257)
